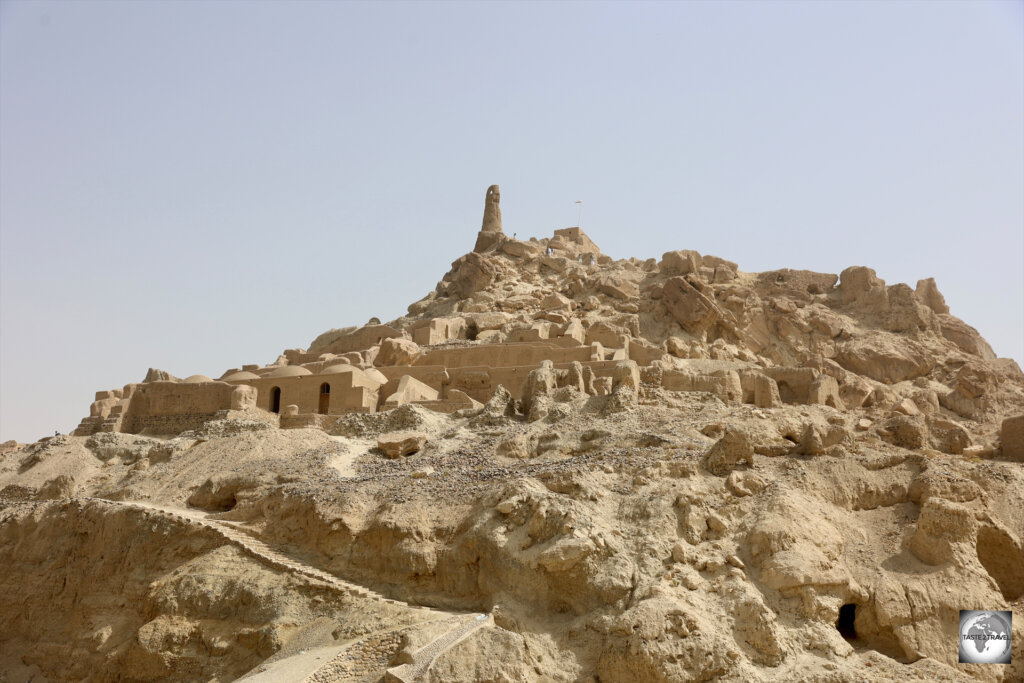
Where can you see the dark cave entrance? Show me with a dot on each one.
(844, 624)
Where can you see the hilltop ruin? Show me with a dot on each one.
(538, 315)
(557, 466)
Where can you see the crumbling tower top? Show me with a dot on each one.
(492, 210)
(490, 231)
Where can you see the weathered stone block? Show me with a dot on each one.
(397, 444)
(1011, 435)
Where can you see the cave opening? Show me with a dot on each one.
(224, 504)
(847, 615)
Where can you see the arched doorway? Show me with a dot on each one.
(275, 400)
(325, 398)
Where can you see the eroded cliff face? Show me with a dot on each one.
(748, 570)
(105, 592)
(755, 476)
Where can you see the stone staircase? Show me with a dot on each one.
(254, 548)
(369, 654)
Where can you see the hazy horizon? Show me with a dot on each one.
(196, 186)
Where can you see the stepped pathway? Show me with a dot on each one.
(364, 656)
(255, 548)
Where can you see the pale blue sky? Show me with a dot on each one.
(197, 185)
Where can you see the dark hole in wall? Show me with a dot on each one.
(224, 504)
(213, 499)
(847, 615)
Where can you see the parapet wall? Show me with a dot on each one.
(480, 382)
(174, 407)
(161, 425)
(508, 355)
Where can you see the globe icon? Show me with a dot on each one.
(985, 638)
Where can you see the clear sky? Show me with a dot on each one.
(196, 185)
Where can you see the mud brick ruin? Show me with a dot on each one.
(688, 323)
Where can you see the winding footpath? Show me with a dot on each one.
(361, 657)
(253, 547)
